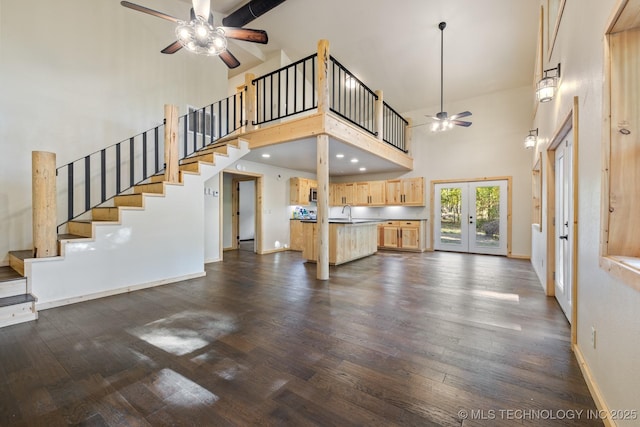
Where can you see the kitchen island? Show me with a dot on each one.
(348, 239)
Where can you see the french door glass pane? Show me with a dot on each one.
(487, 232)
(450, 216)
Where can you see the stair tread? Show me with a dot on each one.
(70, 237)
(16, 299)
(7, 274)
(22, 255)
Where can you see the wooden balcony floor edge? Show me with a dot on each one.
(392, 339)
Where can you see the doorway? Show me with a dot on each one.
(561, 219)
(472, 216)
(242, 204)
(564, 223)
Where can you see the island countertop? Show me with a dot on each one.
(348, 240)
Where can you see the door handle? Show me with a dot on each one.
(565, 237)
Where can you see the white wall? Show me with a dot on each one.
(78, 76)
(212, 203)
(603, 302)
(247, 209)
(492, 146)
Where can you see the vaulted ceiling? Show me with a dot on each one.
(489, 45)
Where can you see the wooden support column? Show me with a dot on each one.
(43, 177)
(408, 135)
(250, 102)
(171, 153)
(378, 124)
(322, 150)
(324, 100)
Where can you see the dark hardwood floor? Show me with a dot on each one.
(402, 339)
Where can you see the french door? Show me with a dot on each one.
(471, 217)
(564, 224)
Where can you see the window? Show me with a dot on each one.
(620, 246)
(199, 120)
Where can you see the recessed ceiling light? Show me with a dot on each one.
(354, 160)
(339, 156)
(363, 169)
(266, 155)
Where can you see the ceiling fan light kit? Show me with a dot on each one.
(198, 36)
(442, 120)
(202, 37)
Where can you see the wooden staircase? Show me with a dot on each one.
(18, 305)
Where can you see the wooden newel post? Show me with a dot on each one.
(379, 115)
(250, 101)
(408, 134)
(323, 77)
(171, 154)
(43, 176)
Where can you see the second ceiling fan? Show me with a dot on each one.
(200, 35)
(442, 120)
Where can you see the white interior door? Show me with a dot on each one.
(564, 224)
(471, 217)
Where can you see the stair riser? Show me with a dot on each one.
(207, 158)
(18, 318)
(220, 150)
(105, 214)
(81, 229)
(17, 264)
(157, 188)
(13, 287)
(16, 310)
(135, 201)
(156, 178)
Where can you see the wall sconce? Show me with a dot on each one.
(546, 87)
(531, 139)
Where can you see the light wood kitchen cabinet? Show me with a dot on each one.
(405, 192)
(342, 194)
(296, 241)
(300, 189)
(405, 235)
(369, 193)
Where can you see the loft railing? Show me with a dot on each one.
(351, 99)
(287, 91)
(393, 127)
(90, 181)
(293, 89)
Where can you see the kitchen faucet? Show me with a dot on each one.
(347, 206)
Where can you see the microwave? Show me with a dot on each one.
(313, 195)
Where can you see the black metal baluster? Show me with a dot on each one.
(220, 121)
(118, 168)
(156, 144)
(286, 93)
(87, 183)
(70, 192)
(103, 175)
(195, 129)
(144, 156)
(131, 163)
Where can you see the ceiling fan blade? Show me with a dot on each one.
(228, 58)
(433, 117)
(461, 115)
(461, 123)
(202, 8)
(172, 48)
(246, 34)
(149, 11)
(250, 11)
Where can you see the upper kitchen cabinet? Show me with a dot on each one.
(300, 190)
(342, 194)
(370, 193)
(405, 192)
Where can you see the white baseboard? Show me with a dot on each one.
(596, 394)
(209, 261)
(82, 298)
